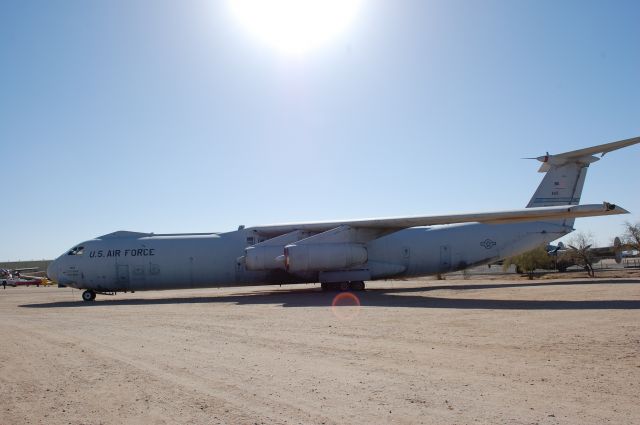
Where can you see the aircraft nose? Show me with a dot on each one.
(52, 271)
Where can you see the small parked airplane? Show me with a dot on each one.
(563, 261)
(14, 277)
(338, 254)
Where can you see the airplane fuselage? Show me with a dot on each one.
(133, 262)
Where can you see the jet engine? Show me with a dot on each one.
(321, 257)
(263, 257)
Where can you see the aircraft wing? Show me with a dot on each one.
(26, 269)
(388, 225)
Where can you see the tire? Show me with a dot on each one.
(357, 285)
(88, 296)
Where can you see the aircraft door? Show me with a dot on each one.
(123, 275)
(445, 258)
(240, 271)
(138, 279)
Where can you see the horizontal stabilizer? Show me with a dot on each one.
(584, 156)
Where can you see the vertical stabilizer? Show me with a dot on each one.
(566, 173)
(561, 185)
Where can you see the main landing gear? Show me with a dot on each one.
(357, 285)
(88, 295)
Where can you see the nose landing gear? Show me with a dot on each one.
(88, 295)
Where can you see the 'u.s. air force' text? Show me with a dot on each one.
(139, 252)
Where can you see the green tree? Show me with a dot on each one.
(528, 262)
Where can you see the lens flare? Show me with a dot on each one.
(345, 306)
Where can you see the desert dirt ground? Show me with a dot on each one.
(423, 351)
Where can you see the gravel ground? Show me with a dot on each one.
(423, 351)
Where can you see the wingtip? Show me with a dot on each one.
(616, 209)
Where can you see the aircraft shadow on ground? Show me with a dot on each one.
(392, 297)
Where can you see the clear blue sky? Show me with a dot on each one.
(168, 116)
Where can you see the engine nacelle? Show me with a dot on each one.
(322, 257)
(258, 258)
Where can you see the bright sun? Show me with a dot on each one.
(295, 26)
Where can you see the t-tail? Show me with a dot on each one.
(565, 175)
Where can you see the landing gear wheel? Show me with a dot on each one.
(334, 286)
(88, 295)
(357, 285)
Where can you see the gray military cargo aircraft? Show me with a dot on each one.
(341, 255)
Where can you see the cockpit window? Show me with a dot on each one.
(78, 250)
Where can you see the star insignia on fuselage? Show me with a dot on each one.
(488, 243)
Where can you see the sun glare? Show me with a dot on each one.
(295, 26)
